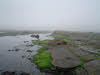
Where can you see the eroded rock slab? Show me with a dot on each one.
(63, 58)
(79, 52)
(93, 67)
(82, 71)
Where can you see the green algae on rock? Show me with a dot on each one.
(66, 39)
(42, 43)
(43, 59)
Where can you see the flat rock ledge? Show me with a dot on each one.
(63, 58)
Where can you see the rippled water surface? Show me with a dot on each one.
(14, 55)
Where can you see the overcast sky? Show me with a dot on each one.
(76, 15)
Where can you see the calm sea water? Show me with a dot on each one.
(18, 61)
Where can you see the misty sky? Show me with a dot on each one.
(75, 15)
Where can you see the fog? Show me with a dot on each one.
(70, 15)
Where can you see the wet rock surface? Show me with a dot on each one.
(58, 42)
(24, 73)
(93, 67)
(90, 68)
(85, 47)
(8, 73)
(29, 50)
(14, 73)
(35, 36)
(63, 58)
(68, 59)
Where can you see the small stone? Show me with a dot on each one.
(29, 51)
(17, 50)
(23, 56)
(24, 73)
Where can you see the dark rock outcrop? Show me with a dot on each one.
(24, 73)
(58, 42)
(14, 73)
(36, 36)
(8, 73)
(29, 50)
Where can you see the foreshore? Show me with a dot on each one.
(71, 53)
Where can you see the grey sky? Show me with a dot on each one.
(46, 14)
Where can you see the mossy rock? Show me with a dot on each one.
(59, 36)
(83, 43)
(42, 43)
(43, 59)
(62, 37)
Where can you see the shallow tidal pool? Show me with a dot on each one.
(16, 52)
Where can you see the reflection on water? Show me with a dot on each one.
(15, 53)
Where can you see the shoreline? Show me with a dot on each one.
(83, 59)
